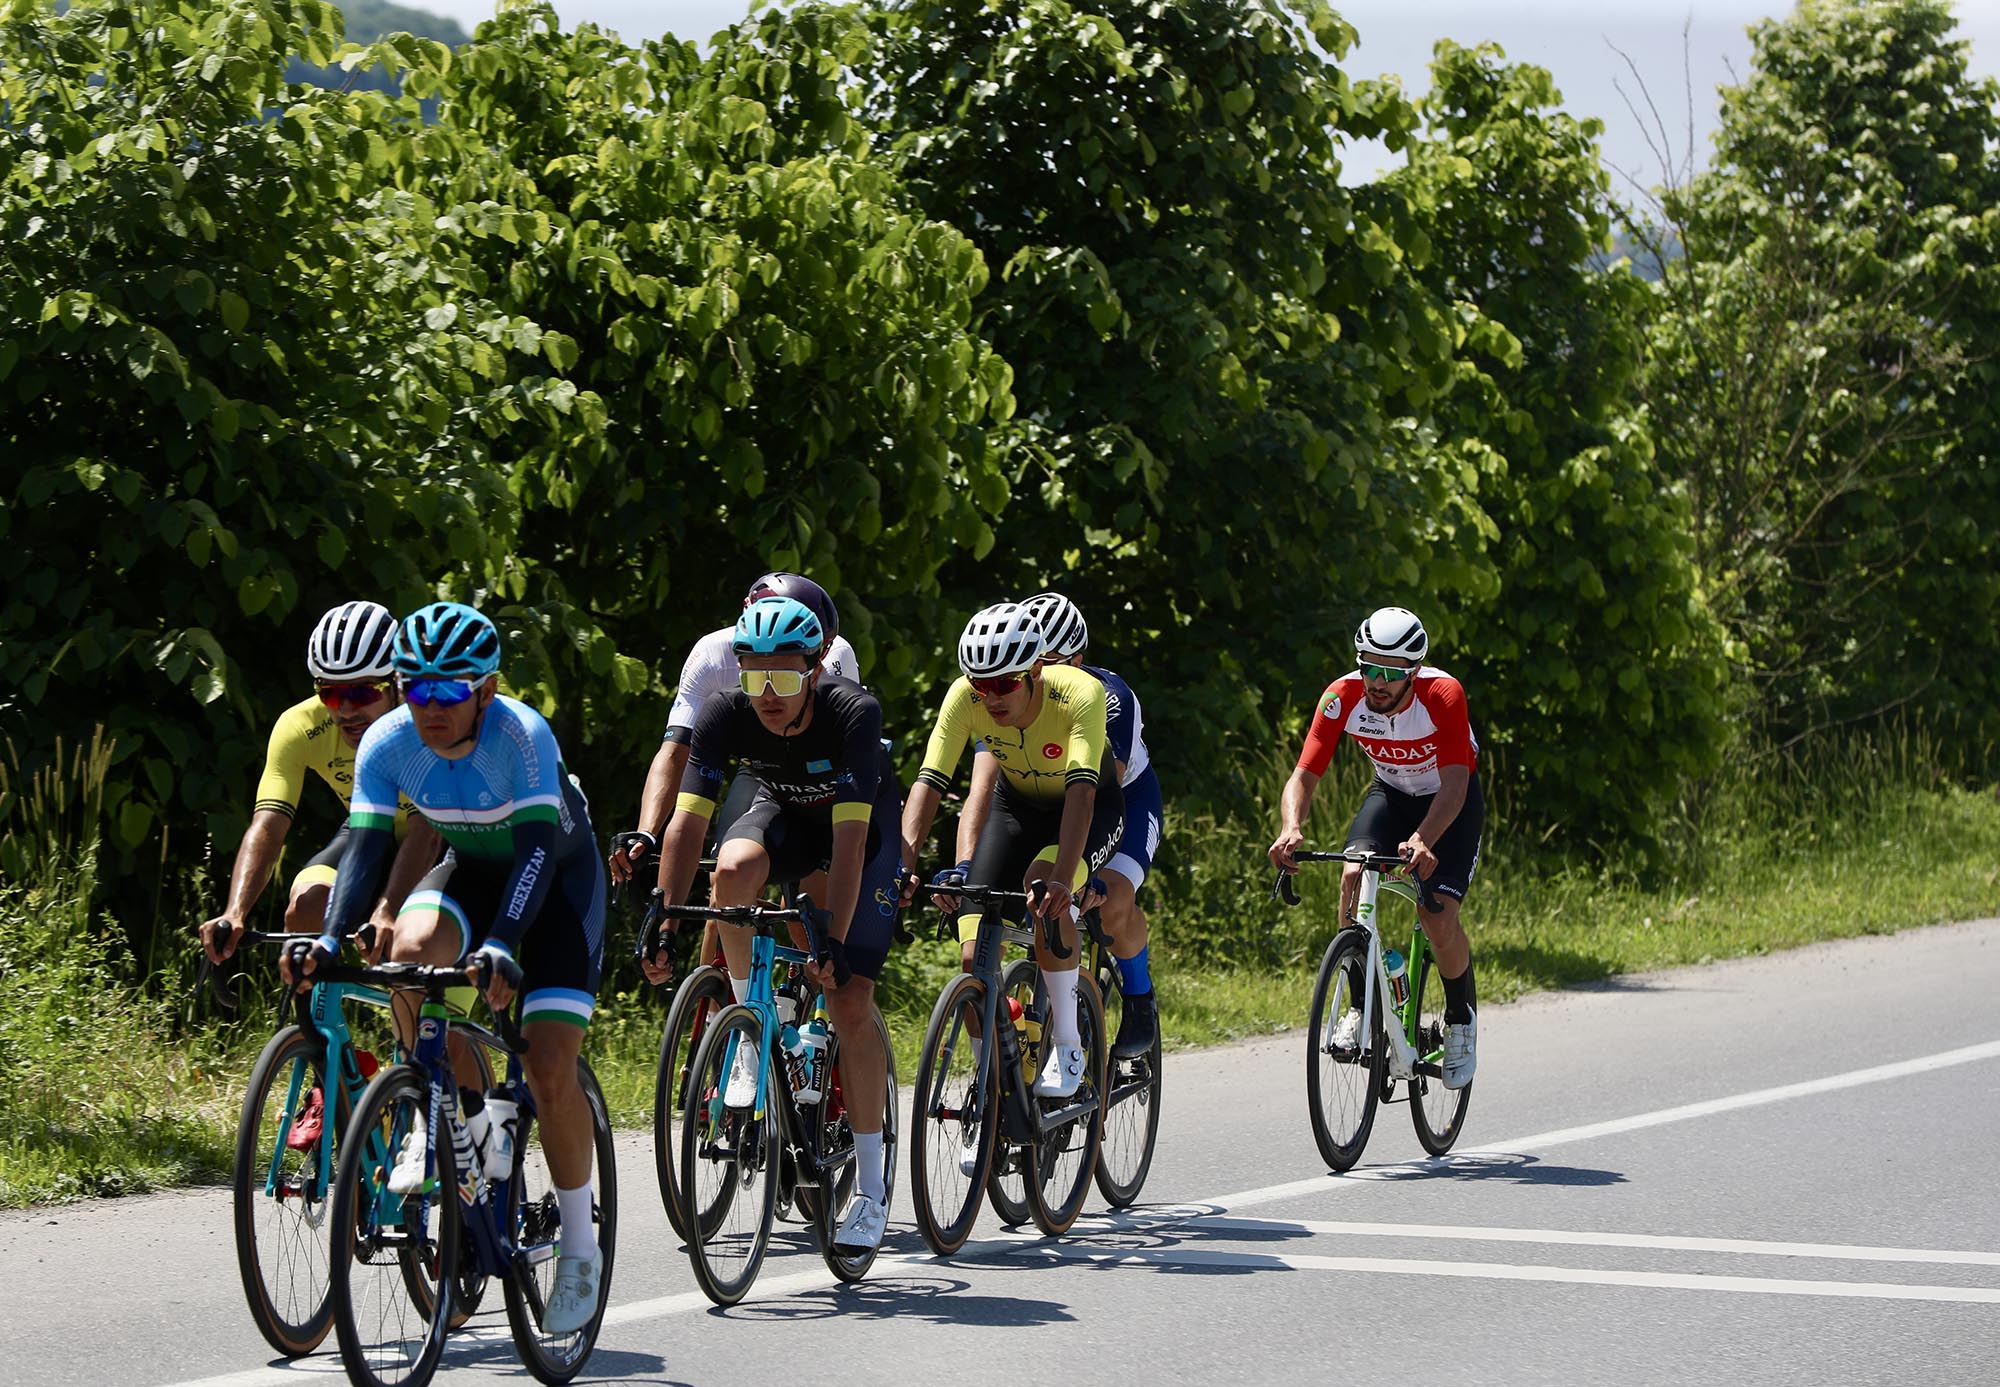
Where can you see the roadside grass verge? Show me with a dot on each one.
(105, 1088)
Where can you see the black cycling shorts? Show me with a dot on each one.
(799, 842)
(1020, 830)
(562, 957)
(1387, 816)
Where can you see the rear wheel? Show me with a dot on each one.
(1131, 1106)
(384, 1241)
(1437, 1112)
(836, 1133)
(700, 996)
(1062, 1160)
(1344, 1068)
(537, 1226)
(952, 1118)
(1007, 1188)
(732, 1150)
(283, 1188)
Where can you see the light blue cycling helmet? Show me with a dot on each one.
(446, 640)
(779, 626)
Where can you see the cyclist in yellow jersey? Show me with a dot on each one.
(1056, 811)
(348, 658)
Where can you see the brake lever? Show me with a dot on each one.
(1284, 888)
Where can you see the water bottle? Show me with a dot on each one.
(813, 1038)
(1399, 982)
(504, 1116)
(464, 1157)
(1028, 1024)
(798, 1060)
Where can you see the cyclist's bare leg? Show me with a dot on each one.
(1123, 920)
(305, 912)
(425, 934)
(1447, 936)
(741, 869)
(864, 1067)
(1350, 891)
(560, 1106)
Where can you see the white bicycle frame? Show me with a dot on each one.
(1402, 1054)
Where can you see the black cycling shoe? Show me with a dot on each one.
(1138, 1026)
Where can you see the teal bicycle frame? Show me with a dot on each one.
(325, 1012)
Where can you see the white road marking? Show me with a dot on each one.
(1141, 1220)
(1502, 1271)
(1832, 1252)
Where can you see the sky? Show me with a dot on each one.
(1682, 53)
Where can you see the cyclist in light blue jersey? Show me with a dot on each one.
(522, 875)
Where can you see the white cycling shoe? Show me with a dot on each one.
(1062, 1074)
(1461, 1052)
(407, 1175)
(742, 1089)
(969, 1152)
(861, 1227)
(1346, 1034)
(573, 1298)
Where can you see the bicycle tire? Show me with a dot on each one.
(292, 1311)
(701, 995)
(533, 1219)
(1007, 1186)
(1062, 1163)
(852, 1267)
(1342, 1136)
(365, 1238)
(741, 1148)
(1437, 1112)
(1131, 1106)
(469, 1286)
(954, 1081)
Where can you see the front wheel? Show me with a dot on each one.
(383, 1241)
(1063, 1158)
(283, 1184)
(1344, 1068)
(952, 1117)
(1007, 1187)
(1438, 1112)
(729, 1149)
(700, 996)
(1131, 1107)
(536, 1224)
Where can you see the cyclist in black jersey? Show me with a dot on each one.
(827, 813)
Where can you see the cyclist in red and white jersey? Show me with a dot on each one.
(1410, 720)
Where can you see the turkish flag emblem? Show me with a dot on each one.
(1052, 750)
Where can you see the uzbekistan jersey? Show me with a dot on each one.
(1063, 746)
(306, 738)
(835, 766)
(711, 668)
(508, 806)
(1409, 747)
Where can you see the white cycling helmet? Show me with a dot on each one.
(352, 642)
(1003, 639)
(1063, 630)
(1393, 631)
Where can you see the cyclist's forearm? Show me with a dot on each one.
(256, 856)
(1445, 804)
(1079, 802)
(919, 812)
(663, 779)
(1296, 803)
(529, 883)
(978, 804)
(415, 855)
(843, 876)
(360, 876)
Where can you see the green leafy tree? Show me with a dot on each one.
(1821, 370)
(1596, 670)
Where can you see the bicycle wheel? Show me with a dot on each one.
(281, 1192)
(835, 1133)
(952, 1118)
(704, 993)
(388, 1339)
(734, 1147)
(1343, 1083)
(1061, 1162)
(536, 1225)
(1437, 1112)
(1131, 1106)
(1007, 1186)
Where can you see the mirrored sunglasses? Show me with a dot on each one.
(445, 691)
(785, 683)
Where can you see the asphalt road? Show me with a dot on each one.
(1779, 1170)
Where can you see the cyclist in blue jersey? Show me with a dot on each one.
(1065, 637)
(522, 874)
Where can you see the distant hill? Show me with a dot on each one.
(368, 20)
(1644, 264)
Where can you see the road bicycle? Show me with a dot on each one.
(975, 1112)
(794, 1144)
(389, 1246)
(1354, 1059)
(287, 1139)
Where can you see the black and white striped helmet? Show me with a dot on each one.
(1063, 630)
(1003, 639)
(352, 642)
(1392, 631)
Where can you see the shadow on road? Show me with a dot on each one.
(1505, 1167)
(936, 1299)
